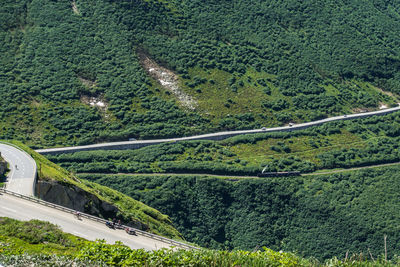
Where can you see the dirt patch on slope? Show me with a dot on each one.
(168, 80)
(98, 102)
(75, 8)
(95, 102)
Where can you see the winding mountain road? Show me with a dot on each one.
(211, 136)
(23, 174)
(21, 178)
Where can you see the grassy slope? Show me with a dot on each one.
(338, 144)
(130, 208)
(36, 237)
(243, 73)
(320, 216)
(37, 243)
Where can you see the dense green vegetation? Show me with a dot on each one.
(343, 144)
(320, 216)
(36, 236)
(41, 88)
(246, 65)
(130, 210)
(44, 244)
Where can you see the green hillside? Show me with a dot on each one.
(37, 243)
(88, 71)
(319, 216)
(79, 72)
(342, 144)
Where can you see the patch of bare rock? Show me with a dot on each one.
(168, 80)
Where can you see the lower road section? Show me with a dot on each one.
(21, 209)
(21, 178)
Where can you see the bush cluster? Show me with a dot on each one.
(319, 216)
(296, 61)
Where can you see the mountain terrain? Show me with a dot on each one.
(89, 71)
(38, 243)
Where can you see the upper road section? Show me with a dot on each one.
(212, 136)
(21, 178)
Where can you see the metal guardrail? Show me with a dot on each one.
(97, 219)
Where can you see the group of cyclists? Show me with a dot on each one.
(114, 224)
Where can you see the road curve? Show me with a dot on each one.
(21, 178)
(21, 209)
(214, 136)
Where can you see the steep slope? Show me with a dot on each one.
(37, 243)
(340, 144)
(77, 76)
(59, 186)
(316, 216)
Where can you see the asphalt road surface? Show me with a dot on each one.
(214, 136)
(21, 209)
(21, 178)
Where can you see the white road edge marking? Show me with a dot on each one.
(81, 235)
(12, 210)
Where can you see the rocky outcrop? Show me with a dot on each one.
(3, 166)
(76, 198)
(167, 79)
